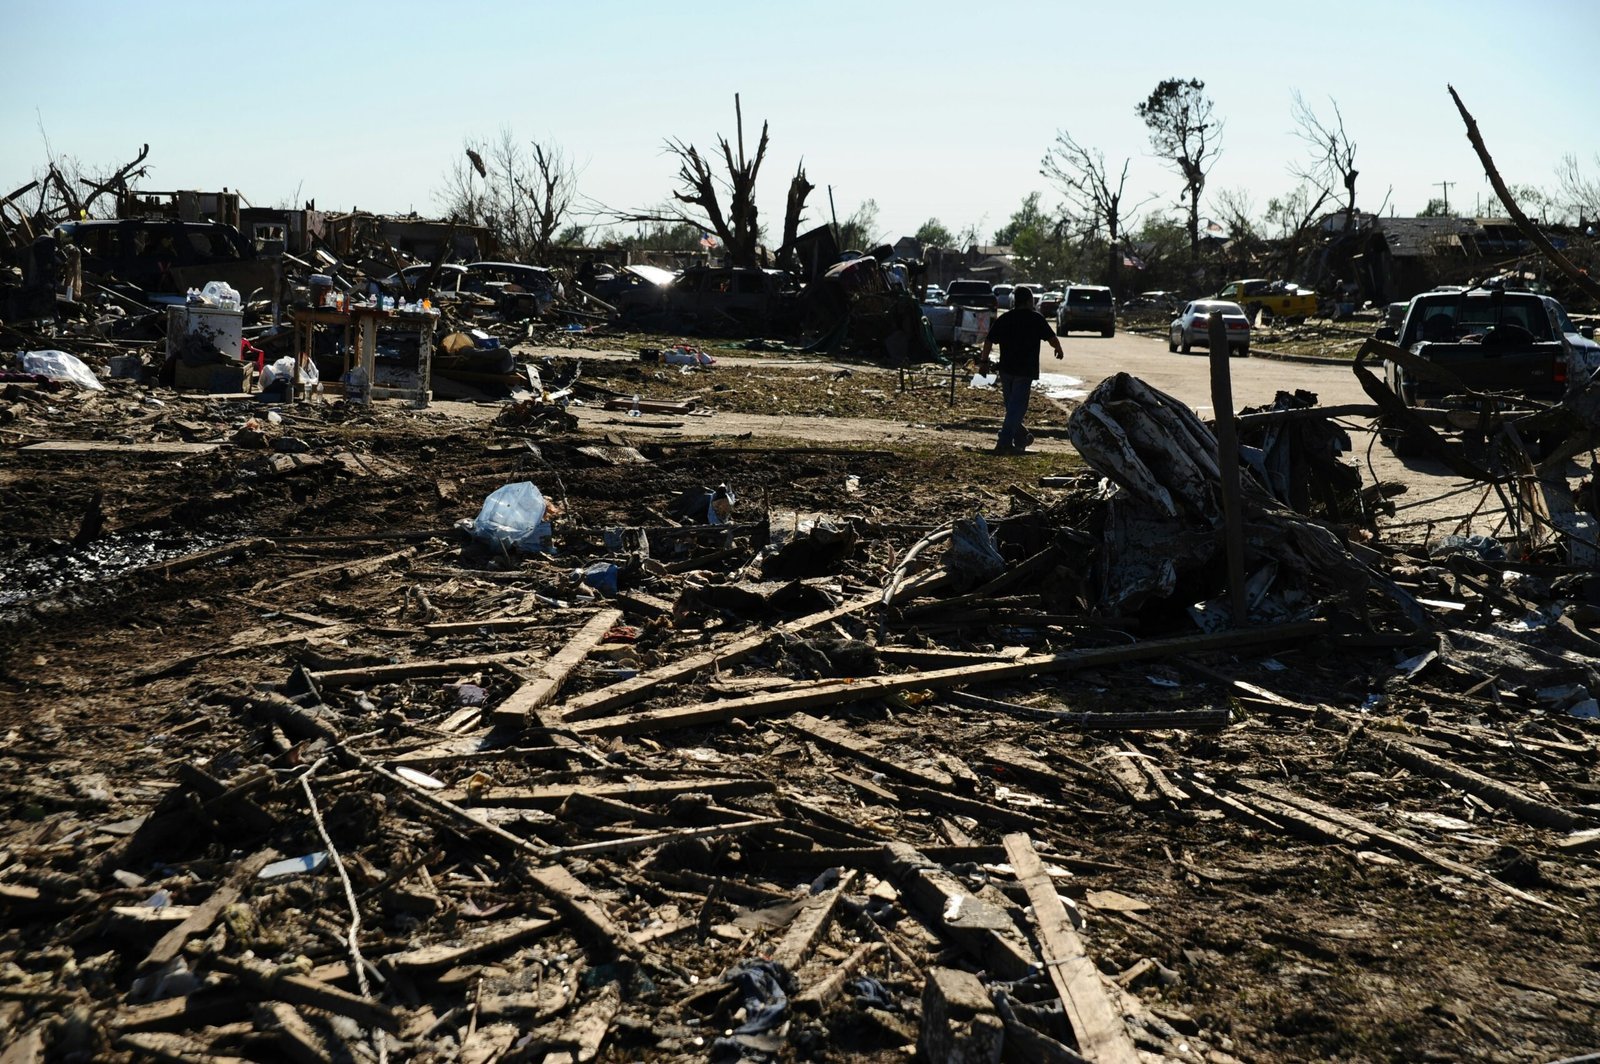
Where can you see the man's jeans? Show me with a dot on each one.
(1015, 392)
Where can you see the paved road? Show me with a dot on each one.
(1188, 377)
(1256, 380)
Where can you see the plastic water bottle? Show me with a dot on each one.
(633, 411)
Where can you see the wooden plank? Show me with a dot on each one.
(981, 928)
(663, 838)
(1519, 803)
(813, 999)
(102, 447)
(1580, 842)
(983, 812)
(802, 935)
(295, 1037)
(835, 692)
(1389, 840)
(865, 749)
(174, 1048)
(205, 914)
(575, 900)
(512, 933)
(1096, 1021)
(551, 795)
(409, 670)
(272, 985)
(550, 675)
(606, 699)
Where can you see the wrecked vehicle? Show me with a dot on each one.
(1280, 299)
(515, 288)
(148, 258)
(630, 291)
(733, 299)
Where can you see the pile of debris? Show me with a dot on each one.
(775, 782)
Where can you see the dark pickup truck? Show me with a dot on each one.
(1512, 343)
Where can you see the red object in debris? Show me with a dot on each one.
(246, 349)
(622, 633)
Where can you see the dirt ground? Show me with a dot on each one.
(1443, 926)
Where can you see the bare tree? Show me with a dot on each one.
(738, 228)
(1178, 114)
(1585, 283)
(1332, 162)
(794, 211)
(1236, 209)
(1579, 191)
(1083, 178)
(522, 194)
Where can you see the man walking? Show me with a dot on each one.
(1019, 332)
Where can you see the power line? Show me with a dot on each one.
(1446, 186)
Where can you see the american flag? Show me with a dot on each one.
(708, 241)
(1132, 261)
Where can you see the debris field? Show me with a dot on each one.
(899, 754)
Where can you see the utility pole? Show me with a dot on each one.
(1446, 186)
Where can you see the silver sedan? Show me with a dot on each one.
(1192, 327)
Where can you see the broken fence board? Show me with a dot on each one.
(549, 676)
(596, 703)
(831, 693)
(1096, 1021)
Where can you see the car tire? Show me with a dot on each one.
(1172, 345)
(1241, 351)
(1183, 344)
(1108, 333)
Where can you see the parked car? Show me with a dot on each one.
(1002, 296)
(1192, 326)
(933, 295)
(1038, 291)
(967, 293)
(1049, 303)
(1087, 307)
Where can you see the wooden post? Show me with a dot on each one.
(1228, 465)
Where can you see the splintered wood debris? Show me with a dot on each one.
(354, 800)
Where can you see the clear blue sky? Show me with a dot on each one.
(933, 109)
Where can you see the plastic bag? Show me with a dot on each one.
(283, 370)
(688, 356)
(221, 294)
(514, 516)
(60, 366)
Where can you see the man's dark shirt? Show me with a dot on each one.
(1018, 333)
